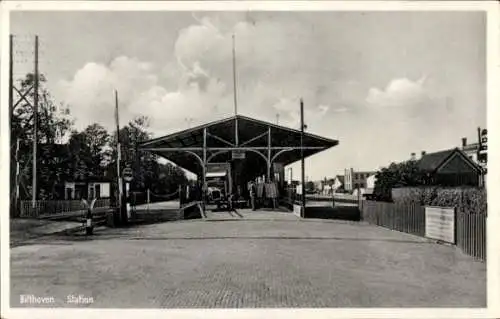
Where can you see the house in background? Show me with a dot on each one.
(470, 150)
(338, 183)
(370, 186)
(318, 186)
(354, 180)
(90, 189)
(332, 185)
(451, 168)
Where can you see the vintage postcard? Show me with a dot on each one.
(248, 159)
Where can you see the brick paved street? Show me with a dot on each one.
(263, 260)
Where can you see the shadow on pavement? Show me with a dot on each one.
(416, 241)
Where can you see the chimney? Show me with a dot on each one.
(413, 156)
(423, 153)
(464, 141)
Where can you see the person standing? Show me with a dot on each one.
(252, 194)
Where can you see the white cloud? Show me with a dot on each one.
(90, 94)
(340, 109)
(197, 82)
(398, 93)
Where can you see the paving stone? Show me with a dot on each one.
(273, 260)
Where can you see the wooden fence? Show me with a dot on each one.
(410, 218)
(54, 208)
(471, 234)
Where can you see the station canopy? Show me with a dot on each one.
(256, 140)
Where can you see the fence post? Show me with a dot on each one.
(485, 235)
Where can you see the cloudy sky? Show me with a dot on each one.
(384, 84)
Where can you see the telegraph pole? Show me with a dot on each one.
(119, 158)
(236, 165)
(303, 210)
(11, 116)
(35, 127)
(235, 95)
(11, 83)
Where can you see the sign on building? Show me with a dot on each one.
(440, 223)
(483, 146)
(238, 154)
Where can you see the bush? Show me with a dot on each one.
(469, 199)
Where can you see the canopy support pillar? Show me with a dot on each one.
(204, 170)
(269, 154)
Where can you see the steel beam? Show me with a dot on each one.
(194, 149)
(221, 139)
(253, 139)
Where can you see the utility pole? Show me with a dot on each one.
(35, 127)
(119, 157)
(235, 95)
(11, 83)
(277, 119)
(235, 171)
(303, 210)
(13, 209)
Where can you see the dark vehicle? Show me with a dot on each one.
(219, 183)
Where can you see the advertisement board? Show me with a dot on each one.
(440, 223)
(483, 146)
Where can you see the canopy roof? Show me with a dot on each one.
(252, 136)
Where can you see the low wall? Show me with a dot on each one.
(351, 213)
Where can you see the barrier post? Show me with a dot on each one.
(89, 227)
(147, 200)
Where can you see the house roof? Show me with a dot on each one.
(432, 161)
(341, 178)
(221, 134)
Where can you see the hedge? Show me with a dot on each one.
(472, 200)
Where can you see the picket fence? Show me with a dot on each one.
(410, 218)
(53, 208)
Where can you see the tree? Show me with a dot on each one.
(397, 175)
(147, 172)
(89, 152)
